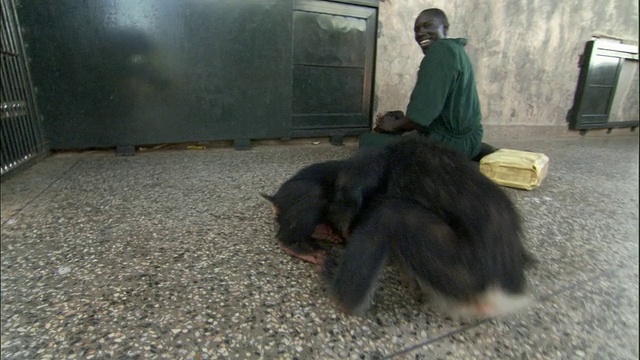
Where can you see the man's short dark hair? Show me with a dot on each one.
(439, 14)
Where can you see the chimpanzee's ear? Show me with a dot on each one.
(268, 198)
(271, 200)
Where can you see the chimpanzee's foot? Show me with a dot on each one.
(324, 232)
(316, 258)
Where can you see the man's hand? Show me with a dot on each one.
(393, 122)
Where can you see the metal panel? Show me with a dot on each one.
(333, 65)
(124, 72)
(601, 65)
(328, 40)
(341, 90)
(20, 131)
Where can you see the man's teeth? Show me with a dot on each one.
(425, 42)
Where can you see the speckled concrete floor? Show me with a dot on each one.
(170, 254)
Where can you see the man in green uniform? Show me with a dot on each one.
(444, 103)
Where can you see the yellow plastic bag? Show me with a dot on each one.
(515, 168)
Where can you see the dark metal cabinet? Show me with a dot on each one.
(123, 72)
(333, 55)
(603, 65)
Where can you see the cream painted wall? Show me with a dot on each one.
(525, 52)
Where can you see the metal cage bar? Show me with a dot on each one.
(20, 129)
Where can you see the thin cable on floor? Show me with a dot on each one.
(40, 193)
(539, 299)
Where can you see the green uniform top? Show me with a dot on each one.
(445, 100)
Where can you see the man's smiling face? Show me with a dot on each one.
(429, 28)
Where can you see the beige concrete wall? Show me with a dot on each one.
(525, 52)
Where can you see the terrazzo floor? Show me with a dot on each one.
(170, 254)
